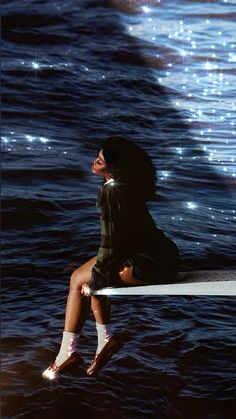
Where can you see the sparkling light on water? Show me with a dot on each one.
(35, 66)
(164, 175)
(208, 79)
(191, 205)
(33, 143)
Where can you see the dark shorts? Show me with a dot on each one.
(156, 268)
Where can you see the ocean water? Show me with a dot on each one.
(162, 74)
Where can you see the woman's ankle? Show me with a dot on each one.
(69, 345)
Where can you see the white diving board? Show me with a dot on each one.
(187, 283)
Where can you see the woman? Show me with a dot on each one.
(133, 251)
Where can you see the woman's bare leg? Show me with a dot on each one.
(101, 309)
(78, 306)
(77, 310)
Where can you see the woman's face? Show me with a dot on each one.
(99, 166)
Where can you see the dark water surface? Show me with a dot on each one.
(160, 73)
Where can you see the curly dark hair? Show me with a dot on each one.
(131, 165)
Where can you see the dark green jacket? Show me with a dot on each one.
(126, 229)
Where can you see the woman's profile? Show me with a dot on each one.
(133, 251)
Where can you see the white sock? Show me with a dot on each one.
(103, 331)
(69, 345)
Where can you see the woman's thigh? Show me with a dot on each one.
(82, 274)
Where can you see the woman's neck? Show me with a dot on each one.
(108, 177)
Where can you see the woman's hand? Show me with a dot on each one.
(86, 290)
(126, 274)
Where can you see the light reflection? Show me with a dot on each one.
(20, 140)
(43, 140)
(191, 205)
(164, 175)
(111, 182)
(30, 138)
(146, 9)
(49, 374)
(35, 65)
(179, 150)
(44, 65)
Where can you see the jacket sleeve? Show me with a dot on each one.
(115, 232)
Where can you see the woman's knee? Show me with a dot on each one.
(77, 279)
(82, 274)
